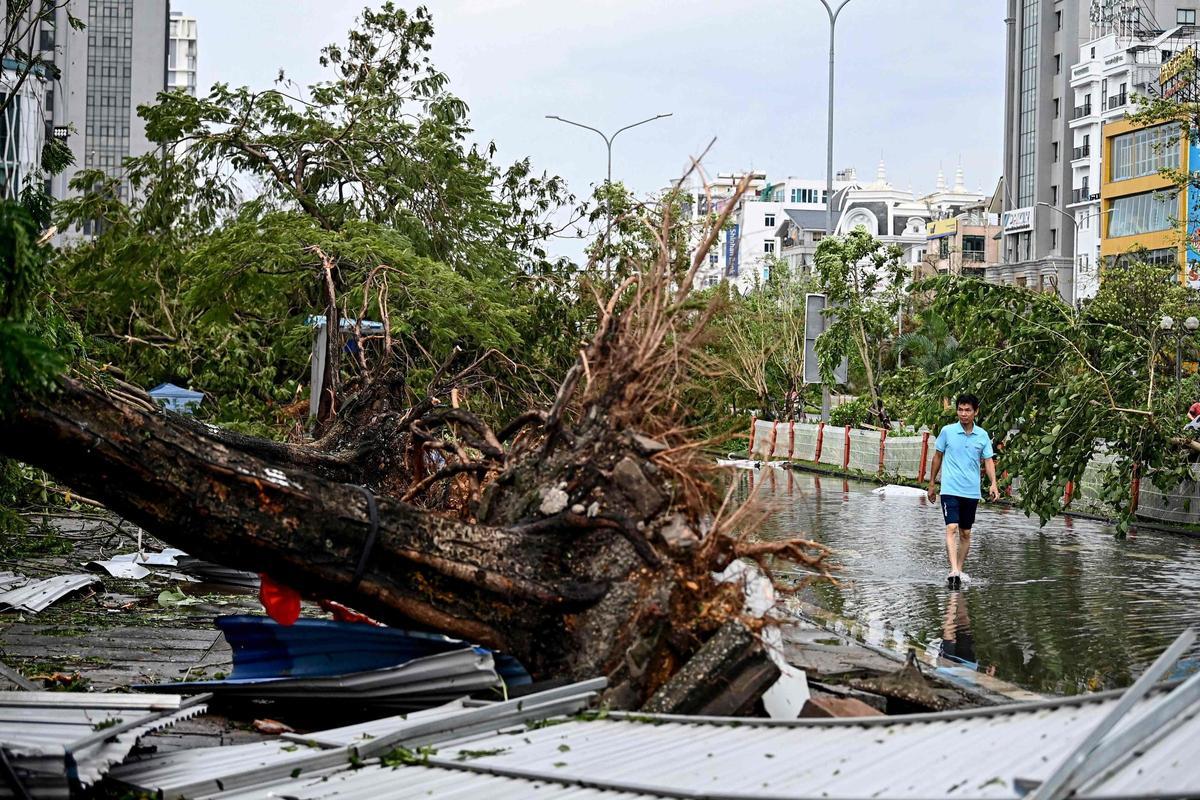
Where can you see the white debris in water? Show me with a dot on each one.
(577, 508)
(896, 490)
(594, 508)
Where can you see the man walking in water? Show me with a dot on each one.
(960, 447)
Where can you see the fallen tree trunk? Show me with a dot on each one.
(582, 540)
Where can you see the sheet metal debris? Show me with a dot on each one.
(488, 752)
(256, 768)
(130, 570)
(11, 580)
(57, 744)
(38, 595)
(327, 660)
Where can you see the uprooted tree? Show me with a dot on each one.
(582, 537)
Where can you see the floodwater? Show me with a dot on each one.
(1063, 609)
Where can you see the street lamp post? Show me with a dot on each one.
(833, 17)
(833, 12)
(1075, 249)
(608, 143)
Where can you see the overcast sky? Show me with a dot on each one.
(920, 82)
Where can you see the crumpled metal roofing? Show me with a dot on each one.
(57, 743)
(258, 767)
(488, 752)
(38, 595)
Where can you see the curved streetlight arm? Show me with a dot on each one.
(1065, 215)
(643, 122)
(580, 125)
(833, 12)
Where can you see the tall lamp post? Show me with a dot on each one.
(1075, 249)
(832, 11)
(608, 143)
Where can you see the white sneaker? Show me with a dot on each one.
(964, 577)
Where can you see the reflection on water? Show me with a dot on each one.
(1059, 610)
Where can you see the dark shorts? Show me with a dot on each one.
(959, 511)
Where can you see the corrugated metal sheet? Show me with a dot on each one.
(59, 742)
(419, 683)
(488, 752)
(34, 597)
(259, 767)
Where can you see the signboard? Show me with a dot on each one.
(815, 323)
(1177, 73)
(732, 240)
(1192, 277)
(942, 227)
(1017, 219)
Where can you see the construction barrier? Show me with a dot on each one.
(876, 452)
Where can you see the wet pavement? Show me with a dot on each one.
(1063, 609)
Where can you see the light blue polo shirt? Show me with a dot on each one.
(961, 454)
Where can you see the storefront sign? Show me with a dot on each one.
(1018, 219)
(942, 227)
(1192, 277)
(732, 241)
(1177, 73)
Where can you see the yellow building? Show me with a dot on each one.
(1140, 207)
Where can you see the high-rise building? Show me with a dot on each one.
(117, 62)
(1046, 104)
(22, 131)
(181, 54)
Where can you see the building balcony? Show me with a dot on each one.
(972, 256)
(1117, 100)
(1081, 152)
(1083, 195)
(1082, 111)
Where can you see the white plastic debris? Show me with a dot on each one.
(896, 490)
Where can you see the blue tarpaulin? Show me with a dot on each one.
(176, 398)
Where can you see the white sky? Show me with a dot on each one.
(920, 82)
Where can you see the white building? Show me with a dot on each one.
(752, 240)
(897, 217)
(181, 54)
(22, 130)
(1123, 61)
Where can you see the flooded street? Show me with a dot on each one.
(1058, 610)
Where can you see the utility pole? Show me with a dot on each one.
(608, 143)
(826, 400)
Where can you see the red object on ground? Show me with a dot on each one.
(343, 613)
(282, 603)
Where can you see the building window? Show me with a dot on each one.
(1058, 20)
(1057, 63)
(1145, 152)
(1053, 195)
(769, 220)
(1143, 213)
(1185, 16)
(769, 247)
(1054, 151)
(1056, 108)
(973, 248)
(1027, 104)
(944, 247)
(804, 195)
(1054, 238)
(712, 259)
(1026, 245)
(1022, 281)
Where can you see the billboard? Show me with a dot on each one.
(732, 240)
(1174, 76)
(1192, 276)
(815, 323)
(942, 227)
(1017, 219)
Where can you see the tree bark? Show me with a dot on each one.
(570, 595)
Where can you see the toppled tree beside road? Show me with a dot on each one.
(581, 538)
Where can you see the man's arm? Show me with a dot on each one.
(933, 474)
(989, 466)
